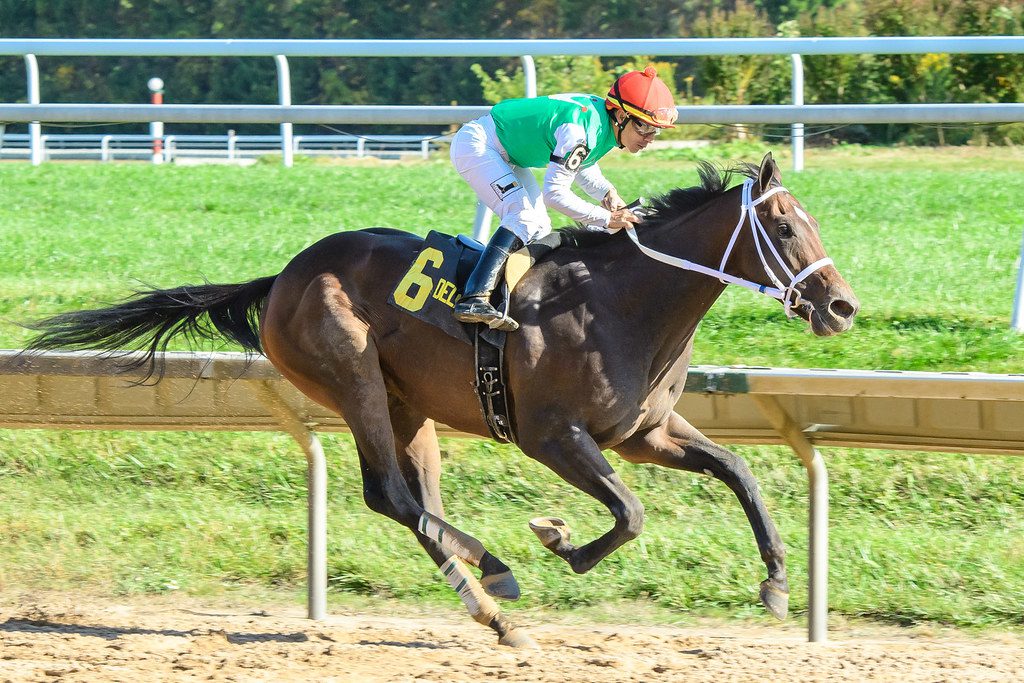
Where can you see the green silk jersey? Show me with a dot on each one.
(537, 130)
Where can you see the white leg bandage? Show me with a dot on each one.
(480, 606)
(457, 543)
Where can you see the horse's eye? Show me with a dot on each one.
(785, 230)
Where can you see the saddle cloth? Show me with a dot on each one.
(433, 284)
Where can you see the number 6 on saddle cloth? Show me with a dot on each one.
(433, 284)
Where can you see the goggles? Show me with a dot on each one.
(643, 128)
(665, 116)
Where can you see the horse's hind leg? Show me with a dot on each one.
(678, 445)
(351, 376)
(339, 367)
(419, 457)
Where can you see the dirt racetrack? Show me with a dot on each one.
(66, 638)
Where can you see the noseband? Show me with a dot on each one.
(788, 295)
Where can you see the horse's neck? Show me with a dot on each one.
(664, 304)
(679, 297)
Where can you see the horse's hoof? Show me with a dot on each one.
(775, 600)
(503, 586)
(553, 532)
(517, 639)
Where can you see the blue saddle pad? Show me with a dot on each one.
(431, 286)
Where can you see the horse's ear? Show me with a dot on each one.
(769, 173)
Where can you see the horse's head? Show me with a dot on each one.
(779, 246)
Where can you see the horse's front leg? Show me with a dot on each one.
(677, 444)
(576, 458)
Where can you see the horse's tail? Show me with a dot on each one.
(151, 318)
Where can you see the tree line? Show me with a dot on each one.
(835, 79)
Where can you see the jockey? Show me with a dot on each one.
(566, 134)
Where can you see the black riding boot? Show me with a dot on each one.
(475, 305)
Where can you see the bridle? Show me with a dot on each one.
(787, 294)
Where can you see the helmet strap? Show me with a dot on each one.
(619, 127)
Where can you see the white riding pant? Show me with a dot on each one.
(510, 191)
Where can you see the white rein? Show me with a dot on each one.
(747, 210)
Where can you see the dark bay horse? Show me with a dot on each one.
(599, 363)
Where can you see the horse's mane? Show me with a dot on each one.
(714, 182)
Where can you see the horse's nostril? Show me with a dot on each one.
(841, 308)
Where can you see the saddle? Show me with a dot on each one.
(429, 291)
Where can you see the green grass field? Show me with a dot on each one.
(929, 239)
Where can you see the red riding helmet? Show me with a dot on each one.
(644, 96)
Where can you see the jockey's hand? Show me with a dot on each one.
(621, 218)
(612, 201)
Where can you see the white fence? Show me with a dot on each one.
(230, 147)
(961, 412)
(285, 114)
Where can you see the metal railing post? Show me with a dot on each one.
(817, 551)
(284, 95)
(482, 223)
(169, 145)
(529, 75)
(797, 129)
(35, 129)
(316, 483)
(1017, 321)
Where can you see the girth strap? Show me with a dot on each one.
(495, 401)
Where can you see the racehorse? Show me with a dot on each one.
(608, 324)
